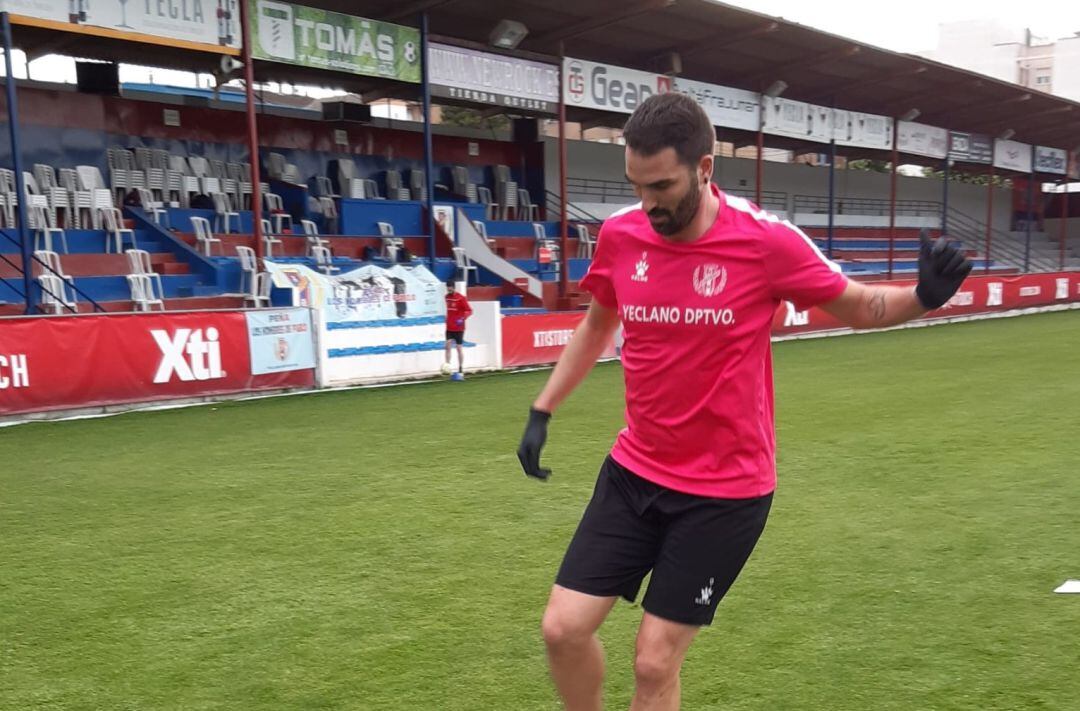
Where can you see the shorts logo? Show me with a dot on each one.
(705, 597)
(709, 279)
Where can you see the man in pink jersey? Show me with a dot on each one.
(695, 277)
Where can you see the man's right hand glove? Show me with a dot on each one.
(532, 442)
(942, 269)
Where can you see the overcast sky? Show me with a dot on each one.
(912, 25)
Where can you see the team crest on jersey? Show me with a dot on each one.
(709, 279)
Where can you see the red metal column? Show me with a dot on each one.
(1064, 217)
(760, 164)
(564, 243)
(989, 219)
(892, 196)
(253, 130)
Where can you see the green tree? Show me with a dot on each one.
(471, 118)
(874, 166)
(960, 176)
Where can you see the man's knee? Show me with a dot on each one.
(655, 668)
(658, 659)
(562, 629)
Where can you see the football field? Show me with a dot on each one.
(381, 549)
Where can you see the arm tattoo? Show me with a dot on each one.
(877, 305)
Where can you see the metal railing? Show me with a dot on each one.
(573, 212)
(1003, 246)
(598, 190)
(770, 199)
(619, 191)
(58, 297)
(866, 206)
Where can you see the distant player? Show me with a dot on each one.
(457, 311)
(695, 276)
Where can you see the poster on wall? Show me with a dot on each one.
(444, 218)
(321, 39)
(210, 22)
(493, 79)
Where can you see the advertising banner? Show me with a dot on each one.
(1012, 155)
(1051, 160)
(854, 128)
(65, 362)
(280, 340)
(978, 295)
(608, 88)
(493, 79)
(922, 140)
(796, 119)
(725, 106)
(365, 294)
(535, 339)
(601, 86)
(970, 147)
(321, 39)
(209, 22)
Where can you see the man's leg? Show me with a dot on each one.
(574, 652)
(449, 343)
(661, 648)
(460, 358)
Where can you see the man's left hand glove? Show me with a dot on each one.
(942, 269)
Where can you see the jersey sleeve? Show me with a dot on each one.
(797, 270)
(598, 280)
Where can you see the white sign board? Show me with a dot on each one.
(1050, 160)
(607, 88)
(1012, 155)
(922, 140)
(215, 22)
(482, 77)
(725, 106)
(853, 128)
(796, 119)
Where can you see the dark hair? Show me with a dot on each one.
(671, 120)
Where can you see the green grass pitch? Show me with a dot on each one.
(381, 549)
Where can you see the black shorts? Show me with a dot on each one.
(457, 337)
(695, 546)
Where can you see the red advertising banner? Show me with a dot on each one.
(978, 295)
(533, 339)
(65, 362)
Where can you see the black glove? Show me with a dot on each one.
(942, 269)
(532, 442)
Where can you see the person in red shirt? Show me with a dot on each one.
(695, 277)
(457, 311)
